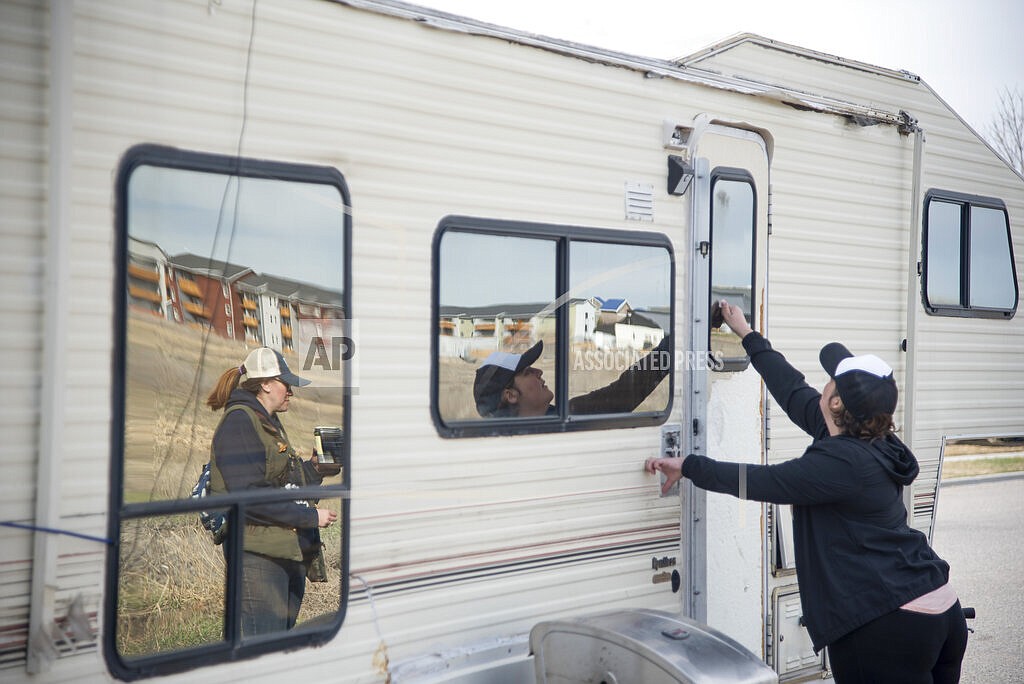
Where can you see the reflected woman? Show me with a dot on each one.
(509, 386)
(250, 451)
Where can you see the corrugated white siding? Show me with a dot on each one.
(837, 253)
(22, 193)
(23, 169)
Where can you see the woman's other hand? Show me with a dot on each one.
(735, 319)
(672, 468)
(326, 517)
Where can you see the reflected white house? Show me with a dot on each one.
(472, 332)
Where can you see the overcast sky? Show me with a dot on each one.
(192, 212)
(483, 270)
(966, 51)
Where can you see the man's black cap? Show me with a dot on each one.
(865, 383)
(496, 373)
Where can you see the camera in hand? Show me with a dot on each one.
(328, 442)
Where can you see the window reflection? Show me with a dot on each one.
(218, 265)
(968, 257)
(204, 287)
(733, 234)
(992, 280)
(310, 604)
(496, 293)
(504, 329)
(170, 589)
(619, 312)
(943, 284)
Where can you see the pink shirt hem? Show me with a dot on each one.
(934, 602)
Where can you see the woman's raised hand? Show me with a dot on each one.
(735, 319)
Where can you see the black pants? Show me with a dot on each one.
(902, 647)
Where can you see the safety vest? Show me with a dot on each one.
(282, 467)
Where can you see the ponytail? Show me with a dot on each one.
(227, 384)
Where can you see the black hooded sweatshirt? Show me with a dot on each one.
(856, 557)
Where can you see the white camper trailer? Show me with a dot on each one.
(386, 194)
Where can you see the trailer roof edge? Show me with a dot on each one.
(652, 67)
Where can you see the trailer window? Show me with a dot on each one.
(549, 328)
(219, 257)
(968, 257)
(733, 235)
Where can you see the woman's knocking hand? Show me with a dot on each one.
(672, 468)
(734, 318)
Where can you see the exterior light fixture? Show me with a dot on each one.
(680, 175)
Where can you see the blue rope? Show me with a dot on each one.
(38, 528)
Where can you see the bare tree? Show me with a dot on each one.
(1007, 130)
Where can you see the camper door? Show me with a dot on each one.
(733, 212)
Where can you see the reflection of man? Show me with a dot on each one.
(507, 385)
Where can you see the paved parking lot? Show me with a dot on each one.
(980, 532)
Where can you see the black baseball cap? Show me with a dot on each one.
(496, 373)
(865, 383)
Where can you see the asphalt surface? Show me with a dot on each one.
(980, 532)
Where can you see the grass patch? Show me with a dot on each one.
(981, 466)
(974, 449)
(172, 579)
(171, 589)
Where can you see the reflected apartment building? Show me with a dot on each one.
(232, 300)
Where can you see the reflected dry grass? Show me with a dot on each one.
(171, 588)
(172, 579)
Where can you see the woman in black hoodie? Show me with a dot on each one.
(872, 589)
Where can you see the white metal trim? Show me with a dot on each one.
(913, 302)
(695, 604)
(56, 288)
(755, 39)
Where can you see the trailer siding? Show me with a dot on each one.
(460, 546)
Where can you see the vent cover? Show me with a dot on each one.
(639, 202)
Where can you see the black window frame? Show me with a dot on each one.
(964, 308)
(563, 235)
(232, 648)
(734, 364)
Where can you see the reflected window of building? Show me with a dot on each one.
(212, 252)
